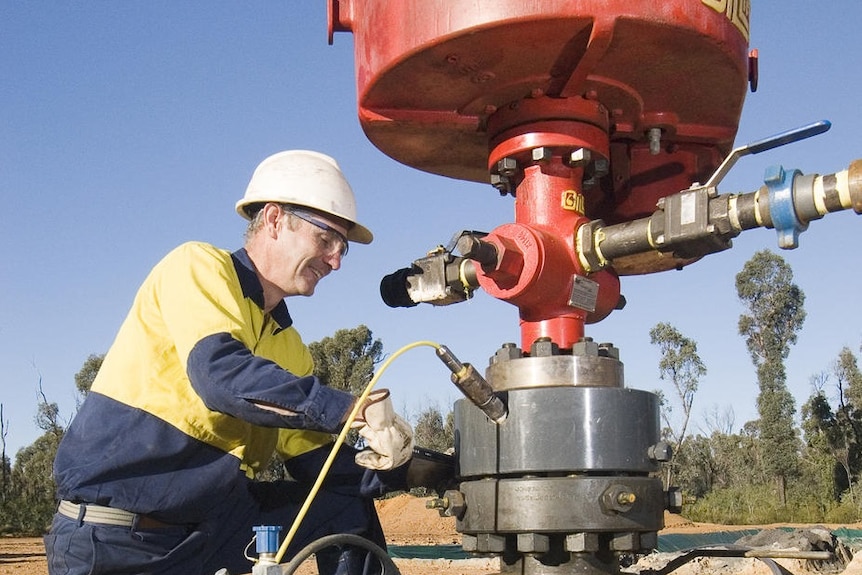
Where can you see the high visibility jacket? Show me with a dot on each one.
(169, 425)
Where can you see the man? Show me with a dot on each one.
(206, 378)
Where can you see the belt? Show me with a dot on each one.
(101, 515)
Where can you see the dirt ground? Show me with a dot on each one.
(407, 522)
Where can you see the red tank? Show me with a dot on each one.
(452, 86)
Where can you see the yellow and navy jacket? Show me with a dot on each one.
(169, 425)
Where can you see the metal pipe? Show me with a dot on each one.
(698, 221)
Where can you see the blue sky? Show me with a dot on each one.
(129, 127)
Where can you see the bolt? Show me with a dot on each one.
(541, 154)
(579, 158)
(507, 167)
(617, 499)
(507, 351)
(437, 503)
(456, 505)
(674, 499)
(608, 350)
(626, 498)
(660, 452)
(602, 167)
(483, 77)
(490, 543)
(501, 183)
(621, 303)
(582, 542)
(533, 543)
(544, 347)
(586, 347)
(474, 248)
(625, 541)
(469, 542)
(654, 136)
(649, 540)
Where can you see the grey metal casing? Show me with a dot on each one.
(560, 430)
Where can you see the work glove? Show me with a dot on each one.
(388, 438)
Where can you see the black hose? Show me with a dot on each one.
(714, 551)
(341, 540)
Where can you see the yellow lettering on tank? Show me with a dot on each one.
(572, 201)
(737, 11)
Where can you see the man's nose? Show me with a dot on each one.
(333, 260)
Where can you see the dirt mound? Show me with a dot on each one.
(406, 521)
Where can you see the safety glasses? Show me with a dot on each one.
(331, 239)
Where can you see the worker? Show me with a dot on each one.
(207, 377)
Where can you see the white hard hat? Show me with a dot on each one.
(304, 178)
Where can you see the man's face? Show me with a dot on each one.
(309, 248)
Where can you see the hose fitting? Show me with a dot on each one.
(473, 386)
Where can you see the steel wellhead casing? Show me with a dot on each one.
(566, 483)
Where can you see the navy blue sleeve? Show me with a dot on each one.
(228, 378)
(345, 476)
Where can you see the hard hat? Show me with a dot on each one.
(304, 178)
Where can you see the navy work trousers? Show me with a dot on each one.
(220, 542)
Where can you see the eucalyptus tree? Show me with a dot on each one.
(681, 365)
(774, 315)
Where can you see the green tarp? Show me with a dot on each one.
(669, 543)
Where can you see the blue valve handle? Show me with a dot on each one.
(789, 136)
(766, 144)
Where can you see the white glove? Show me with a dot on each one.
(388, 437)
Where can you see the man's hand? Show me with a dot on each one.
(388, 437)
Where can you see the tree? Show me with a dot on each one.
(837, 432)
(87, 374)
(5, 467)
(775, 315)
(29, 495)
(48, 414)
(432, 432)
(820, 465)
(681, 364)
(30, 501)
(720, 420)
(33, 486)
(346, 360)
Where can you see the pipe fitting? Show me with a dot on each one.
(854, 185)
(780, 184)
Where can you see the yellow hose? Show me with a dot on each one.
(338, 443)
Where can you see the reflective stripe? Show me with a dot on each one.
(96, 514)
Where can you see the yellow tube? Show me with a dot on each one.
(338, 443)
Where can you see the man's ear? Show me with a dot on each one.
(272, 218)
